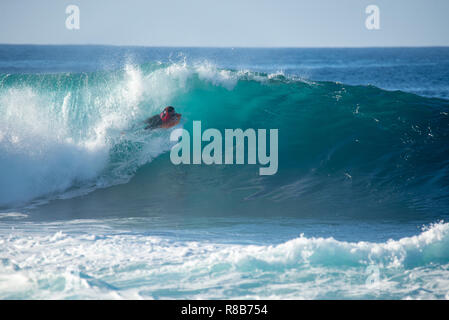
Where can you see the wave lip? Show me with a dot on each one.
(134, 265)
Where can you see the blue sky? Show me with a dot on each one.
(227, 23)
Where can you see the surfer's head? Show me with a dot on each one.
(167, 113)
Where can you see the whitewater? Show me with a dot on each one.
(106, 264)
(92, 207)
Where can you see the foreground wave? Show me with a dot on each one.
(77, 265)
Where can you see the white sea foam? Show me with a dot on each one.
(50, 144)
(17, 215)
(74, 264)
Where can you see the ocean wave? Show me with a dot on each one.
(61, 135)
(66, 264)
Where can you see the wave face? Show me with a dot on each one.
(348, 148)
(90, 264)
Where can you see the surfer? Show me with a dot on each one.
(166, 119)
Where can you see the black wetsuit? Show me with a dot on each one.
(153, 122)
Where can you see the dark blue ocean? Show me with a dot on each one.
(92, 207)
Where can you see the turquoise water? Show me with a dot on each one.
(92, 207)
